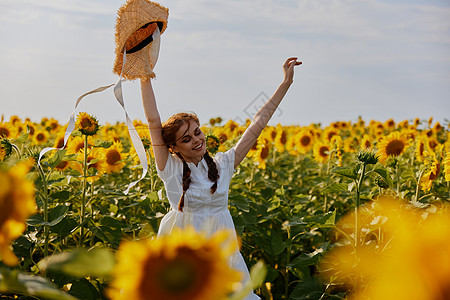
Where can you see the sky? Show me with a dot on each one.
(375, 59)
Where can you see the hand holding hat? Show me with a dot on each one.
(139, 24)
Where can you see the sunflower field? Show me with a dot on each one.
(344, 211)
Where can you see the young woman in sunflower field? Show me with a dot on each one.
(196, 184)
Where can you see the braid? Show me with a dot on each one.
(186, 181)
(213, 173)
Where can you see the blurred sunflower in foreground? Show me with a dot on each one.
(404, 253)
(16, 205)
(183, 265)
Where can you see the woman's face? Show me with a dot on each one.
(190, 142)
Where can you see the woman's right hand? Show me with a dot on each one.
(288, 68)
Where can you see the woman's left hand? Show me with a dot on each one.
(289, 69)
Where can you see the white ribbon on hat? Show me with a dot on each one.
(135, 138)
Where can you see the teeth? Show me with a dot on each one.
(198, 147)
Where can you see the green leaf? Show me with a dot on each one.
(277, 244)
(346, 172)
(55, 178)
(36, 286)
(22, 139)
(335, 188)
(57, 214)
(61, 195)
(83, 289)
(103, 144)
(384, 173)
(57, 158)
(80, 262)
(326, 221)
(308, 259)
(153, 197)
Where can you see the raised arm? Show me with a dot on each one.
(264, 114)
(154, 123)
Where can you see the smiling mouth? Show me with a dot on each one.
(198, 147)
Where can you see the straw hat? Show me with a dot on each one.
(136, 22)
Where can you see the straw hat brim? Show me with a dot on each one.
(132, 17)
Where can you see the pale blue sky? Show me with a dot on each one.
(377, 59)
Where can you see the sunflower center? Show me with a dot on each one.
(264, 152)
(434, 174)
(283, 138)
(222, 137)
(305, 140)
(273, 134)
(367, 144)
(4, 132)
(432, 144)
(112, 157)
(395, 148)
(40, 137)
(86, 123)
(421, 149)
(6, 207)
(323, 151)
(60, 143)
(331, 134)
(62, 165)
(182, 277)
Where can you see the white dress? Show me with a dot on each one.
(204, 211)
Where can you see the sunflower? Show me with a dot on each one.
(16, 205)
(40, 137)
(59, 141)
(394, 144)
(321, 152)
(366, 142)
(113, 158)
(447, 166)
(212, 143)
(261, 154)
(63, 165)
(5, 148)
(329, 133)
(95, 161)
(414, 265)
(338, 145)
(389, 124)
(432, 173)
(15, 120)
(182, 265)
(76, 144)
(280, 139)
(87, 124)
(304, 141)
(421, 146)
(7, 130)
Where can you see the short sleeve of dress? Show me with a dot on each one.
(169, 169)
(225, 160)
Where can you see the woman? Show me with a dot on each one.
(196, 184)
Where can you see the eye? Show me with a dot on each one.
(197, 131)
(185, 140)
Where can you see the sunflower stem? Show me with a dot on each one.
(45, 196)
(416, 197)
(397, 176)
(358, 203)
(288, 261)
(83, 198)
